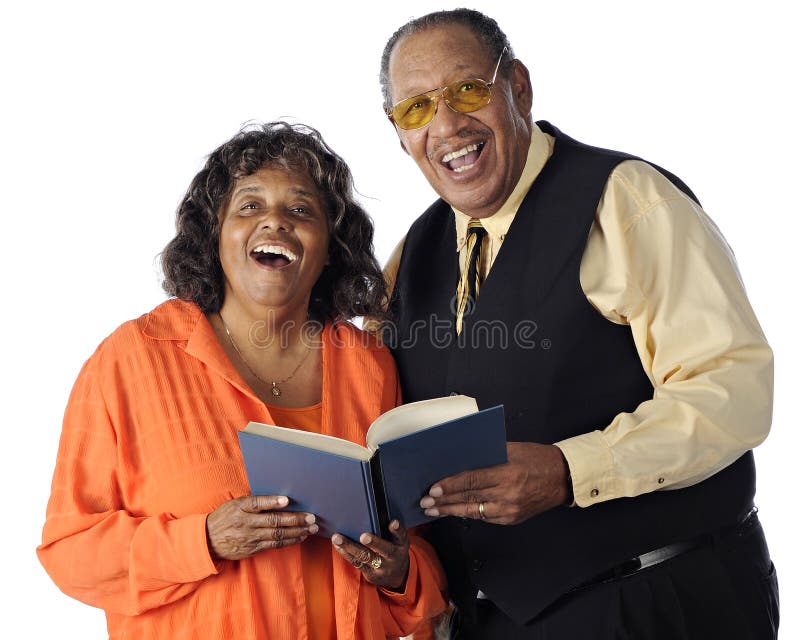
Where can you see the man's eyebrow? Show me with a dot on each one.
(459, 68)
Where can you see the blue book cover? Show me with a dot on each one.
(411, 464)
(331, 486)
(352, 489)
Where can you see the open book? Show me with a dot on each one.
(352, 489)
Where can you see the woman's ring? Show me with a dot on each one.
(482, 511)
(376, 562)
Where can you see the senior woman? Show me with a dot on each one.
(149, 516)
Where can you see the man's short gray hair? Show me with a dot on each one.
(484, 27)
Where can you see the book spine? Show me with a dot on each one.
(370, 493)
(379, 494)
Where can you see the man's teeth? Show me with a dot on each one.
(277, 250)
(461, 152)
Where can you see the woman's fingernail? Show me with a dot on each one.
(313, 528)
(436, 491)
(432, 512)
(282, 501)
(311, 518)
(426, 502)
(337, 539)
(365, 538)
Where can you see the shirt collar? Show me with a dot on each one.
(183, 322)
(497, 225)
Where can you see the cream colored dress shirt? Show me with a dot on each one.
(656, 262)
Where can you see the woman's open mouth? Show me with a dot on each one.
(273, 256)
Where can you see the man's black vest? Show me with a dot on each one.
(536, 345)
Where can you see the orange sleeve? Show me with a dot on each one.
(95, 550)
(423, 597)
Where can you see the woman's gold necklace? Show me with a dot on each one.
(275, 389)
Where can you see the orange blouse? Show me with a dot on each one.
(149, 447)
(315, 551)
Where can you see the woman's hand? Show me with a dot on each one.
(382, 562)
(242, 527)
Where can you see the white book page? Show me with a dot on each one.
(415, 416)
(318, 441)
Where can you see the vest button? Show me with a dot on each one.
(454, 393)
(477, 565)
(465, 524)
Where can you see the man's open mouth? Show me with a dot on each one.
(463, 159)
(273, 256)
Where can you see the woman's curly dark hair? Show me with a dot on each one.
(351, 285)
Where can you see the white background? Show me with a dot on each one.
(108, 110)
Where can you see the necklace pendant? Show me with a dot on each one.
(275, 390)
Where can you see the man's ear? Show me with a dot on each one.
(521, 86)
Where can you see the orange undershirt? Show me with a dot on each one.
(315, 551)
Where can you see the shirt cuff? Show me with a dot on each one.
(409, 593)
(591, 465)
(192, 544)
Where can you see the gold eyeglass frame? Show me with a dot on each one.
(437, 94)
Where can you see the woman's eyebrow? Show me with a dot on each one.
(301, 192)
(251, 189)
(255, 189)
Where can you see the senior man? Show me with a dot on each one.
(588, 292)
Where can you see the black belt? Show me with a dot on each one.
(662, 554)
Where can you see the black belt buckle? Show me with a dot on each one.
(627, 568)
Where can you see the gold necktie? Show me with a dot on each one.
(469, 285)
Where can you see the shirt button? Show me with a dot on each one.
(661, 481)
(477, 565)
(454, 393)
(594, 493)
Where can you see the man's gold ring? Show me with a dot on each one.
(376, 562)
(482, 510)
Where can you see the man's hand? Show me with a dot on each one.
(534, 479)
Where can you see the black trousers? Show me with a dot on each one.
(726, 589)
